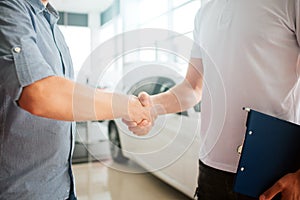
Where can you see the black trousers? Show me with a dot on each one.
(214, 184)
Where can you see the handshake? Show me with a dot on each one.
(141, 114)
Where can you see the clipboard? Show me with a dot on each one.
(271, 150)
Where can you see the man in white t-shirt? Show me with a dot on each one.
(249, 56)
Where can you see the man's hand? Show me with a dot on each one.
(288, 186)
(144, 126)
(137, 113)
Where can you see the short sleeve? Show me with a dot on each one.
(196, 50)
(21, 62)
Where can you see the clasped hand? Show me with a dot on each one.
(142, 115)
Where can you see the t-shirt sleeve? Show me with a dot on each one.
(21, 62)
(196, 50)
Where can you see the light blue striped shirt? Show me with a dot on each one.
(35, 152)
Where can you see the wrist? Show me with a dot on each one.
(120, 105)
(161, 103)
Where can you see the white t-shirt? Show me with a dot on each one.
(250, 52)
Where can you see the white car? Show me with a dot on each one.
(170, 150)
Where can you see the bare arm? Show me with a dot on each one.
(61, 99)
(184, 95)
(179, 98)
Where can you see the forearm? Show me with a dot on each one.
(61, 99)
(94, 104)
(177, 99)
(184, 95)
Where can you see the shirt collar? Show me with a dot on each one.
(52, 10)
(38, 6)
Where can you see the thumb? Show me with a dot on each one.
(144, 99)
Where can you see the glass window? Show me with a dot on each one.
(107, 32)
(147, 55)
(183, 17)
(176, 15)
(130, 14)
(177, 3)
(159, 22)
(150, 9)
(163, 56)
(189, 35)
(131, 57)
(73, 19)
(79, 42)
(144, 13)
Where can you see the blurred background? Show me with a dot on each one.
(87, 24)
(107, 159)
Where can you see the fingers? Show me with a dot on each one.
(134, 124)
(138, 129)
(129, 123)
(288, 186)
(141, 130)
(271, 192)
(144, 123)
(143, 116)
(136, 111)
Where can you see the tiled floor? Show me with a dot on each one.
(100, 181)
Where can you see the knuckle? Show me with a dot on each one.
(280, 184)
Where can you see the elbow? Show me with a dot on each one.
(32, 109)
(30, 100)
(197, 94)
(193, 90)
(191, 99)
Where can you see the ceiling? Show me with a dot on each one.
(81, 6)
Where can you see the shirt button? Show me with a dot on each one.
(17, 49)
